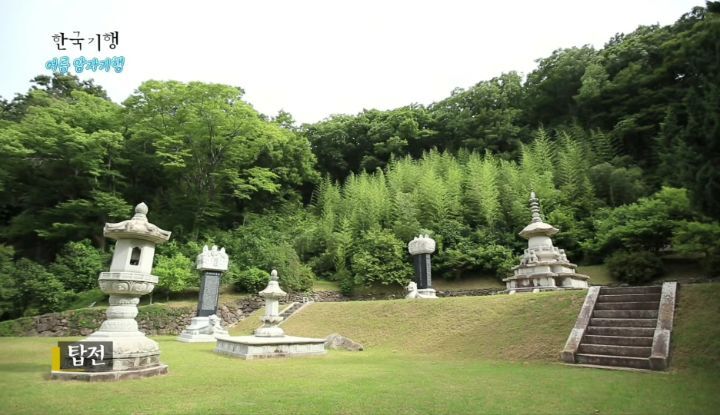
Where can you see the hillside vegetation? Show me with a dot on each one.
(619, 143)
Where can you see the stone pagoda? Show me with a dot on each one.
(543, 267)
(133, 354)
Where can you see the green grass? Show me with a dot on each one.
(325, 285)
(494, 355)
(477, 327)
(599, 274)
(470, 282)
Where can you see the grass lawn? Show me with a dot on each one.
(494, 355)
(470, 282)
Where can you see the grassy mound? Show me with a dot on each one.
(517, 327)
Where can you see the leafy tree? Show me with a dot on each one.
(214, 151)
(646, 225)
(78, 265)
(60, 171)
(484, 117)
(8, 285)
(32, 290)
(700, 238)
(551, 88)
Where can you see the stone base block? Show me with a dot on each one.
(251, 347)
(537, 289)
(426, 293)
(201, 330)
(109, 376)
(139, 362)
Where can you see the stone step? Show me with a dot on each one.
(625, 313)
(653, 289)
(604, 360)
(645, 305)
(618, 340)
(621, 331)
(615, 350)
(288, 312)
(623, 322)
(618, 298)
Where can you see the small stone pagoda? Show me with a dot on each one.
(270, 340)
(543, 267)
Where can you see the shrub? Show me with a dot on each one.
(634, 267)
(702, 238)
(379, 258)
(175, 273)
(473, 257)
(251, 280)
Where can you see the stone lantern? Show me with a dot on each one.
(129, 278)
(543, 266)
(270, 341)
(272, 295)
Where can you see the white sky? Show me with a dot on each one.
(316, 58)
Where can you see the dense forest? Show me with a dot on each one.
(621, 144)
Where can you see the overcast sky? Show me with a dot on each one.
(316, 58)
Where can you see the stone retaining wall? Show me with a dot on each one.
(161, 320)
(152, 320)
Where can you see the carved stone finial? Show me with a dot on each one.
(535, 208)
(141, 208)
(273, 275)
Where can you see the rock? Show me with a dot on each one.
(336, 342)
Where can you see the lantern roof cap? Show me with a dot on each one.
(136, 227)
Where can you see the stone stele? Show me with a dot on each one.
(421, 247)
(203, 328)
(134, 355)
(543, 267)
(270, 341)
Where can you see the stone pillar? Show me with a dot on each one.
(211, 263)
(272, 294)
(129, 278)
(421, 248)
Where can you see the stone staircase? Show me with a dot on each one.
(619, 327)
(290, 310)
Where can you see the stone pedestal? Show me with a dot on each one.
(253, 347)
(212, 263)
(134, 355)
(202, 330)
